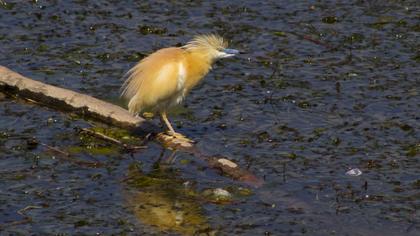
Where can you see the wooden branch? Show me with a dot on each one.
(87, 106)
(67, 100)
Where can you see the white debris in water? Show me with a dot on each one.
(219, 192)
(354, 172)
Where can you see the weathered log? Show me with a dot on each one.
(87, 106)
(67, 100)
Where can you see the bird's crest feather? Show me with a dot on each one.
(210, 41)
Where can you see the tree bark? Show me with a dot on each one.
(66, 100)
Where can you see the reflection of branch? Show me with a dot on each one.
(110, 139)
(21, 212)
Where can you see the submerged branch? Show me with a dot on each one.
(217, 162)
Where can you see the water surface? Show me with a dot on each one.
(324, 86)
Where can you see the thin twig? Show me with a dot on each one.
(23, 210)
(27, 219)
(55, 149)
(110, 139)
(310, 39)
(66, 156)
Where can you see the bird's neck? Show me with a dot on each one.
(198, 65)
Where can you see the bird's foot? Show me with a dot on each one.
(180, 136)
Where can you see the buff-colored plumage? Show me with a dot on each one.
(165, 77)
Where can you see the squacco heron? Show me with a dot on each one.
(163, 79)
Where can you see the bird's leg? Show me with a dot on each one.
(164, 118)
(171, 130)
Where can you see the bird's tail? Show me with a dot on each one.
(131, 87)
(132, 83)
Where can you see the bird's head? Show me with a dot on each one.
(211, 46)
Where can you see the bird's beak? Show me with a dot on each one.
(228, 53)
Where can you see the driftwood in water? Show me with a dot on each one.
(67, 100)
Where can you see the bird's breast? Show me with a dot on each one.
(196, 69)
(182, 76)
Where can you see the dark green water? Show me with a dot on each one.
(324, 86)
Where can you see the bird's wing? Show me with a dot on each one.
(161, 86)
(153, 80)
